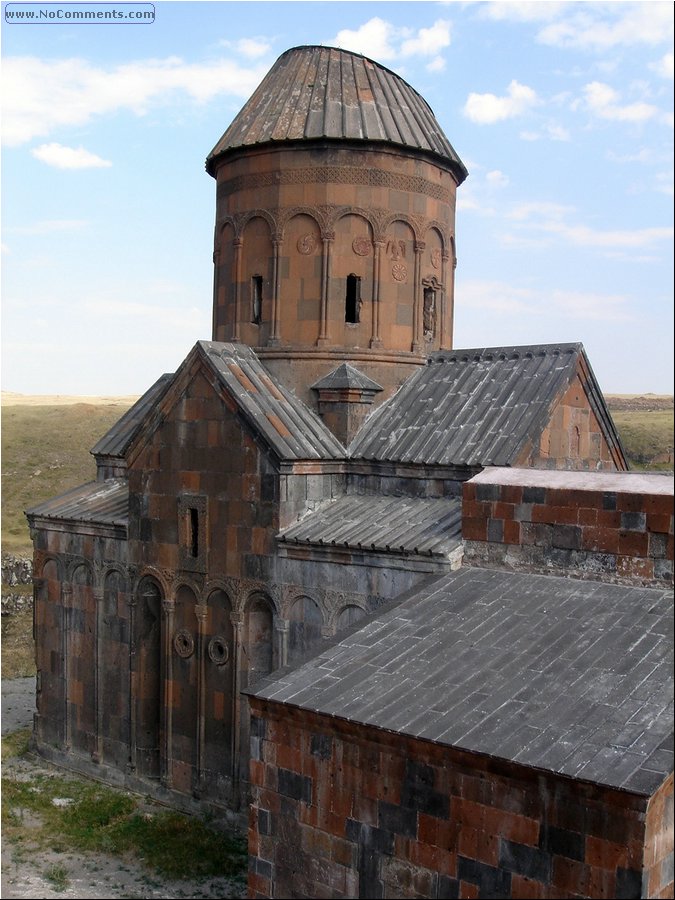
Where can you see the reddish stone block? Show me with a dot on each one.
(477, 509)
(602, 540)
(257, 772)
(629, 502)
(468, 891)
(569, 876)
(587, 516)
(604, 854)
(259, 886)
(512, 493)
(633, 543)
(503, 510)
(658, 504)
(526, 888)
(474, 529)
(467, 842)
(512, 533)
(609, 518)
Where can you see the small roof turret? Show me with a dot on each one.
(323, 93)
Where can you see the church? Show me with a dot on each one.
(382, 592)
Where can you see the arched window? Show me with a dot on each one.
(353, 299)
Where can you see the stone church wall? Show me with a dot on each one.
(618, 527)
(657, 877)
(344, 810)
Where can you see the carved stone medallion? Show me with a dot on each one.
(399, 271)
(306, 244)
(217, 650)
(361, 246)
(184, 644)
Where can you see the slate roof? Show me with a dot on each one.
(569, 676)
(430, 527)
(479, 407)
(118, 440)
(97, 502)
(347, 377)
(324, 93)
(291, 429)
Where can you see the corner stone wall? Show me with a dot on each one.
(618, 526)
(344, 810)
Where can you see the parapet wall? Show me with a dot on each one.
(613, 526)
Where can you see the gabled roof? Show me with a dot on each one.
(479, 407)
(347, 377)
(118, 440)
(315, 93)
(568, 676)
(97, 502)
(430, 527)
(289, 427)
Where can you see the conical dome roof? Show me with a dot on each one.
(322, 93)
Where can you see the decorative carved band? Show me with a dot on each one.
(337, 175)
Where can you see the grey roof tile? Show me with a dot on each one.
(117, 441)
(315, 93)
(388, 524)
(99, 502)
(480, 407)
(588, 714)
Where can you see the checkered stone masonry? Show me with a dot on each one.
(575, 524)
(344, 810)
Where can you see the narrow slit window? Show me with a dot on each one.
(193, 532)
(353, 299)
(256, 299)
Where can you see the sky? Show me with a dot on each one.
(562, 113)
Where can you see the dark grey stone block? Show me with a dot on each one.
(528, 861)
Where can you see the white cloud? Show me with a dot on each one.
(40, 96)
(496, 178)
(536, 209)
(251, 48)
(61, 157)
(552, 132)
(664, 183)
(372, 39)
(522, 10)
(583, 236)
(603, 101)
(428, 41)
(485, 109)
(665, 66)
(379, 39)
(498, 296)
(604, 26)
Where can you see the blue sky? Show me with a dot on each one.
(562, 113)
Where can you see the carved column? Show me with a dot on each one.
(167, 702)
(133, 683)
(448, 302)
(201, 612)
(216, 285)
(237, 620)
(328, 237)
(66, 606)
(238, 251)
(282, 629)
(418, 340)
(275, 337)
(99, 597)
(376, 340)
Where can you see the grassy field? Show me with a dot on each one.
(45, 451)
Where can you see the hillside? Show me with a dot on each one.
(46, 442)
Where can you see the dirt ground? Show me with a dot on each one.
(31, 872)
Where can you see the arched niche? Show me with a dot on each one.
(305, 622)
(224, 299)
(258, 657)
(148, 628)
(397, 286)
(256, 286)
(82, 661)
(352, 276)
(219, 689)
(113, 665)
(349, 616)
(300, 275)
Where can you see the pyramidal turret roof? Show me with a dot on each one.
(323, 93)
